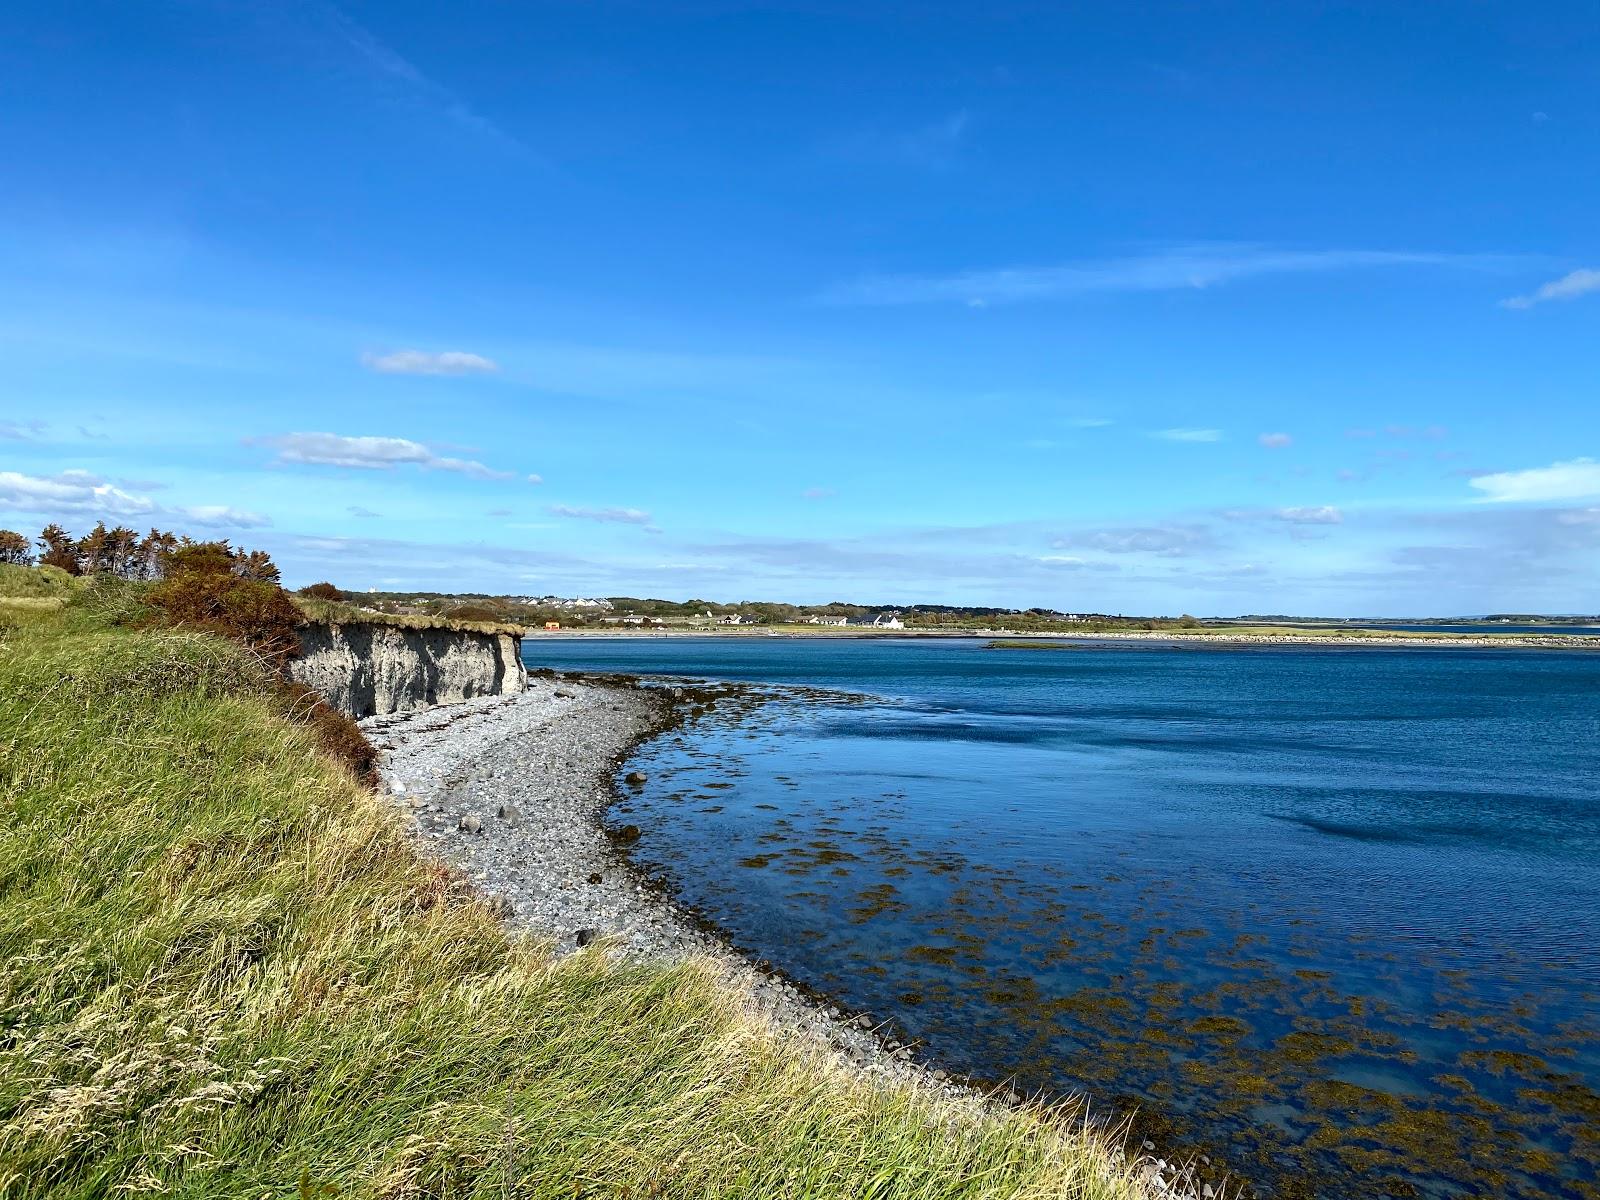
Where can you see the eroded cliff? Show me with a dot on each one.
(367, 668)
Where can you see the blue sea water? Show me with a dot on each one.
(1329, 916)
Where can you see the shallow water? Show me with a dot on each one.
(1330, 916)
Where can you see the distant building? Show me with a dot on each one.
(883, 620)
(552, 624)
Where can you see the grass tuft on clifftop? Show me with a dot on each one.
(320, 611)
(224, 972)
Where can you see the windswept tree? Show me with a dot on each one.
(58, 549)
(15, 549)
(256, 565)
(153, 553)
(105, 551)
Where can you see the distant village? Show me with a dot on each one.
(623, 613)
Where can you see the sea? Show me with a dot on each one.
(1329, 917)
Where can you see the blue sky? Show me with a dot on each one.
(1172, 307)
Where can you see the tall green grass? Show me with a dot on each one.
(223, 972)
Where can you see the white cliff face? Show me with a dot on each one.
(368, 670)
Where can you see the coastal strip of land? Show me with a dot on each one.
(1212, 636)
(231, 970)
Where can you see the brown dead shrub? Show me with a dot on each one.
(337, 734)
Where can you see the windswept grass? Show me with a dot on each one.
(34, 583)
(223, 971)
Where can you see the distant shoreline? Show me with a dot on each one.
(1374, 639)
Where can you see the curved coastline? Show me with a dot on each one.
(513, 793)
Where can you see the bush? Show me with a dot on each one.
(324, 591)
(204, 589)
(472, 612)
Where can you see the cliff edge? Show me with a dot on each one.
(366, 668)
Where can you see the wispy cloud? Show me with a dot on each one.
(819, 493)
(1169, 541)
(1569, 287)
(536, 480)
(1578, 479)
(932, 146)
(369, 454)
(1275, 441)
(618, 516)
(1178, 268)
(1324, 514)
(1188, 435)
(422, 362)
(416, 87)
(20, 431)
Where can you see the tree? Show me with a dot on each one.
(152, 554)
(94, 550)
(256, 565)
(58, 549)
(323, 591)
(15, 549)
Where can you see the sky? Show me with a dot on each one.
(1207, 307)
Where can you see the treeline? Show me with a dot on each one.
(120, 552)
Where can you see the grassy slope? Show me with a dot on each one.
(221, 966)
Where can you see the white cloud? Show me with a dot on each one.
(1187, 267)
(1188, 435)
(1090, 422)
(1325, 514)
(75, 493)
(70, 492)
(535, 479)
(222, 516)
(1275, 441)
(1578, 479)
(421, 362)
(369, 454)
(1569, 287)
(819, 493)
(620, 516)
